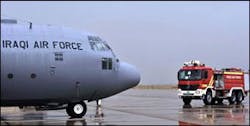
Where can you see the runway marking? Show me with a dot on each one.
(143, 114)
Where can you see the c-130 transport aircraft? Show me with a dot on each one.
(53, 67)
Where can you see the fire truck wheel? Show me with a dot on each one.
(208, 100)
(232, 99)
(187, 101)
(239, 97)
(220, 101)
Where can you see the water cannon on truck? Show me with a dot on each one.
(198, 81)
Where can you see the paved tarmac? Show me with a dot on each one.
(137, 107)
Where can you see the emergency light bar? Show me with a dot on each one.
(194, 63)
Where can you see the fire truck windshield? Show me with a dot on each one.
(189, 75)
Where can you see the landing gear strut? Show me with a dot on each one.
(98, 102)
(76, 109)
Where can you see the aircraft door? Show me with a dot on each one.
(55, 59)
(52, 67)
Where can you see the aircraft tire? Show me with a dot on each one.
(77, 109)
(232, 99)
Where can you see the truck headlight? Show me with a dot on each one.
(179, 91)
(197, 92)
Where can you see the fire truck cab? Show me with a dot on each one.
(197, 81)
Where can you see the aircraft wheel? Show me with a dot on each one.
(187, 101)
(208, 100)
(76, 110)
(232, 99)
(239, 97)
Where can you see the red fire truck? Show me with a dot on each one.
(197, 81)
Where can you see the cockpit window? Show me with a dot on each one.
(107, 46)
(97, 44)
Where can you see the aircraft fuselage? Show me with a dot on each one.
(46, 64)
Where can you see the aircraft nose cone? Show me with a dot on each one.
(130, 76)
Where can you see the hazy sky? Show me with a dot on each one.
(156, 37)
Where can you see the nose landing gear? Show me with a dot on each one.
(76, 109)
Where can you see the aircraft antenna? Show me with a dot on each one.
(30, 25)
(18, 20)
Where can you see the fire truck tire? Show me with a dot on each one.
(187, 101)
(208, 100)
(232, 99)
(220, 101)
(239, 97)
